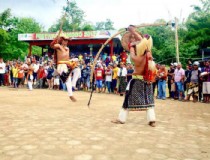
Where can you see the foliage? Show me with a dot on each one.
(10, 47)
(193, 34)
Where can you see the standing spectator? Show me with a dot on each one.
(76, 74)
(108, 78)
(40, 76)
(29, 77)
(123, 57)
(179, 76)
(99, 73)
(50, 71)
(80, 57)
(35, 65)
(2, 71)
(187, 77)
(194, 83)
(206, 83)
(6, 75)
(130, 70)
(170, 77)
(122, 76)
(56, 82)
(114, 58)
(84, 76)
(114, 78)
(15, 74)
(162, 75)
(173, 89)
(155, 83)
(20, 76)
(11, 64)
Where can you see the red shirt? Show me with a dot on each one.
(99, 74)
(123, 57)
(41, 73)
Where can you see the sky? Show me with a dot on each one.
(121, 12)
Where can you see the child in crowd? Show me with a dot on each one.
(173, 88)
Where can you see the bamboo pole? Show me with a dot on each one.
(108, 40)
(176, 40)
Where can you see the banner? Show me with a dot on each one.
(73, 35)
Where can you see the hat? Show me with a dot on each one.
(63, 35)
(172, 64)
(145, 43)
(196, 63)
(175, 64)
(126, 40)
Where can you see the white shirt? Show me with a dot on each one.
(178, 74)
(2, 68)
(36, 67)
(124, 72)
(109, 76)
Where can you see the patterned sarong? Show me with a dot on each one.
(122, 84)
(139, 96)
(193, 89)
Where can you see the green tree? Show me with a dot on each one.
(72, 19)
(107, 25)
(10, 47)
(198, 30)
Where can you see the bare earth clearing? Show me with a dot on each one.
(46, 125)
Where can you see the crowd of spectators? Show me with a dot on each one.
(111, 75)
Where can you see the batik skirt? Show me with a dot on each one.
(139, 95)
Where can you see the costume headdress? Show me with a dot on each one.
(141, 47)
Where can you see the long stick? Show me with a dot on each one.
(108, 40)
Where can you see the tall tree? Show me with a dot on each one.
(10, 47)
(73, 20)
(198, 29)
(104, 25)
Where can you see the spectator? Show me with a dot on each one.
(20, 76)
(206, 83)
(2, 71)
(187, 77)
(50, 71)
(130, 70)
(99, 73)
(170, 77)
(41, 75)
(30, 77)
(114, 78)
(179, 76)
(108, 78)
(122, 76)
(162, 76)
(194, 81)
(84, 77)
(173, 89)
(15, 74)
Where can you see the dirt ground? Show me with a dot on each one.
(46, 125)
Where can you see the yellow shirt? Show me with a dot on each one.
(15, 72)
(115, 71)
(80, 57)
(114, 58)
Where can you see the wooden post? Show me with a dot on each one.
(30, 50)
(111, 48)
(176, 40)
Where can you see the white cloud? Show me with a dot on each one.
(121, 12)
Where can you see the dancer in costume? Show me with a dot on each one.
(139, 92)
(64, 64)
